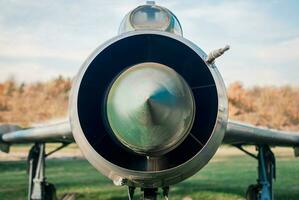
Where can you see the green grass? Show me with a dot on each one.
(225, 178)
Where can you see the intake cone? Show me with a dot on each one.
(150, 108)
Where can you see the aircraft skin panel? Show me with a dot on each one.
(58, 132)
(238, 133)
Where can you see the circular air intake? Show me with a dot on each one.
(146, 108)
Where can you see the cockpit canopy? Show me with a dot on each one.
(151, 17)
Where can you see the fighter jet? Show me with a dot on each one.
(148, 109)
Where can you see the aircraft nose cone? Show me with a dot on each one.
(150, 108)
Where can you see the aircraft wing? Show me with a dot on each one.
(238, 133)
(12, 134)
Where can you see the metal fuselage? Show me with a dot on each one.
(146, 108)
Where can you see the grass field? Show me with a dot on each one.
(226, 177)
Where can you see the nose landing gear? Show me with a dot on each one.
(149, 193)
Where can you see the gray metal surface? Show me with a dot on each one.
(60, 132)
(150, 108)
(216, 53)
(150, 178)
(242, 133)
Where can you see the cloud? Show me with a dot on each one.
(281, 52)
(55, 37)
(18, 46)
(261, 41)
(31, 72)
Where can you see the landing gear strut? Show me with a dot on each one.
(148, 193)
(39, 188)
(263, 190)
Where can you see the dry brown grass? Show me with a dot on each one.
(25, 104)
(274, 107)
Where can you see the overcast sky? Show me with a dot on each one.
(42, 39)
